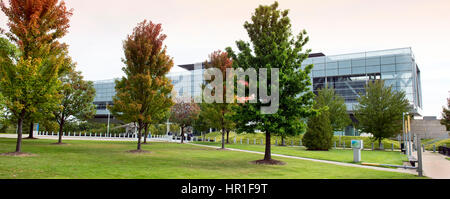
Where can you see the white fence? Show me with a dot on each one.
(107, 136)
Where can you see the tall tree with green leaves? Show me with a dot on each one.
(380, 110)
(26, 92)
(218, 114)
(274, 46)
(201, 124)
(337, 109)
(31, 84)
(77, 102)
(145, 92)
(446, 115)
(9, 54)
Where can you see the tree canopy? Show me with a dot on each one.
(273, 46)
(30, 85)
(184, 113)
(446, 115)
(327, 97)
(218, 114)
(144, 94)
(380, 110)
(319, 135)
(77, 101)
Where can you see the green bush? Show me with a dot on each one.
(319, 135)
(437, 144)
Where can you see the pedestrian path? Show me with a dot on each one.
(435, 165)
(409, 171)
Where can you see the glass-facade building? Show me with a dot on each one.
(349, 73)
(186, 83)
(105, 90)
(346, 73)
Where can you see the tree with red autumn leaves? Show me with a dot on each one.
(218, 114)
(184, 113)
(144, 94)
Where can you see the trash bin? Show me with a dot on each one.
(402, 146)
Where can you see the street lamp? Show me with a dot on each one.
(107, 129)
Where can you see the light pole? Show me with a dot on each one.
(107, 129)
(409, 135)
(404, 132)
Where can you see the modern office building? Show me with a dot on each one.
(186, 83)
(349, 73)
(346, 73)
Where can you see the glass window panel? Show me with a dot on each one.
(319, 67)
(410, 97)
(345, 71)
(388, 75)
(388, 68)
(373, 69)
(406, 89)
(404, 82)
(373, 61)
(358, 62)
(404, 75)
(332, 65)
(388, 60)
(332, 72)
(318, 73)
(359, 70)
(344, 64)
(390, 82)
(318, 60)
(403, 59)
(403, 67)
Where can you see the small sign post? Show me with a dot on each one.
(357, 146)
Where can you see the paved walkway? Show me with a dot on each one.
(435, 165)
(409, 171)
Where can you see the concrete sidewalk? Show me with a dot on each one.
(409, 171)
(435, 165)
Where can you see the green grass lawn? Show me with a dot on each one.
(382, 157)
(96, 159)
(295, 140)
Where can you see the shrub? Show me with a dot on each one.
(319, 135)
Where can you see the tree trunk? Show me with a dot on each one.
(228, 137)
(182, 135)
(61, 127)
(145, 134)
(282, 141)
(267, 153)
(19, 135)
(223, 138)
(30, 135)
(139, 138)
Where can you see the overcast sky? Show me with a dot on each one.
(196, 28)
